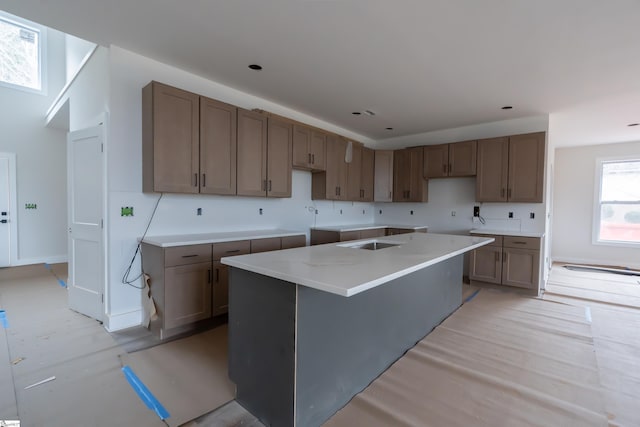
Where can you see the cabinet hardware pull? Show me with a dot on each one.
(444, 168)
(269, 185)
(204, 179)
(502, 193)
(336, 191)
(313, 159)
(208, 276)
(339, 191)
(449, 168)
(233, 251)
(520, 243)
(217, 275)
(189, 256)
(309, 155)
(195, 176)
(390, 195)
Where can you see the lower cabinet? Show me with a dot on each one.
(320, 237)
(189, 284)
(510, 261)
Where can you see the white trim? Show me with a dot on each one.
(13, 208)
(592, 261)
(116, 322)
(597, 194)
(56, 259)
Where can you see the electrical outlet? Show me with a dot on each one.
(476, 211)
(532, 215)
(362, 211)
(260, 211)
(453, 213)
(411, 212)
(126, 211)
(199, 211)
(510, 214)
(340, 211)
(380, 211)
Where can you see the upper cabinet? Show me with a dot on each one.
(360, 174)
(170, 140)
(383, 169)
(309, 147)
(511, 169)
(450, 160)
(217, 147)
(332, 183)
(264, 162)
(409, 184)
(367, 174)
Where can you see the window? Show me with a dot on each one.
(617, 216)
(20, 54)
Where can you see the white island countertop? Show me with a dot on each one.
(355, 227)
(343, 270)
(204, 238)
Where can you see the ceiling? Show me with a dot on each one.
(420, 66)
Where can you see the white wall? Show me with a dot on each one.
(41, 163)
(75, 51)
(574, 192)
(129, 73)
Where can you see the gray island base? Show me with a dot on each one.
(298, 354)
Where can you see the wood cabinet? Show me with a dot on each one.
(264, 162)
(409, 184)
(309, 147)
(392, 231)
(511, 169)
(383, 176)
(450, 160)
(331, 184)
(170, 139)
(509, 261)
(218, 144)
(220, 301)
(320, 237)
(360, 174)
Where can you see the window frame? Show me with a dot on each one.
(597, 203)
(42, 53)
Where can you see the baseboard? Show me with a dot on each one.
(588, 261)
(116, 322)
(44, 260)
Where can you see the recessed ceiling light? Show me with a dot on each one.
(633, 124)
(356, 113)
(507, 107)
(255, 67)
(389, 128)
(369, 113)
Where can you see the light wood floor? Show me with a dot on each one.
(57, 341)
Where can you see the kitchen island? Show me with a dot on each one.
(311, 327)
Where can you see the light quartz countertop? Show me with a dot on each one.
(507, 233)
(356, 227)
(343, 270)
(204, 238)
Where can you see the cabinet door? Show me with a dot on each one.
(401, 166)
(317, 149)
(220, 298)
(373, 233)
(252, 154)
(279, 142)
(217, 147)
(520, 268)
(462, 158)
(383, 176)
(170, 139)
(366, 176)
(301, 158)
(265, 245)
(354, 172)
(418, 186)
(491, 179)
(485, 264)
(187, 296)
(288, 242)
(436, 161)
(349, 235)
(526, 168)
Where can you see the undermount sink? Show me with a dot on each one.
(371, 245)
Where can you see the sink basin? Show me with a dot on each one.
(371, 245)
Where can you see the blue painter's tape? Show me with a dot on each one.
(145, 395)
(47, 266)
(3, 319)
(587, 314)
(64, 285)
(472, 296)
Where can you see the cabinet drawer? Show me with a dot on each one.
(240, 247)
(294, 241)
(189, 254)
(496, 242)
(521, 242)
(371, 233)
(265, 245)
(349, 235)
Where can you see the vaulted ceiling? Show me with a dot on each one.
(419, 65)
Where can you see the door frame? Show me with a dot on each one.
(13, 206)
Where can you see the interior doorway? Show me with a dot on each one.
(8, 210)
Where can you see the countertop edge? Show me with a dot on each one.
(224, 237)
(507, 233)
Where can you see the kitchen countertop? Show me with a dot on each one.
(507, 233)
(346, 271)
(355, 227)
(204, 238)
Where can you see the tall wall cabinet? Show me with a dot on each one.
(409, 184)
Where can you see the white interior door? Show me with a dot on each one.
(5, 212)
(86, 250)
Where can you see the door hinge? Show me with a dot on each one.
(102, 298)
(102, 148)
(102, 223)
